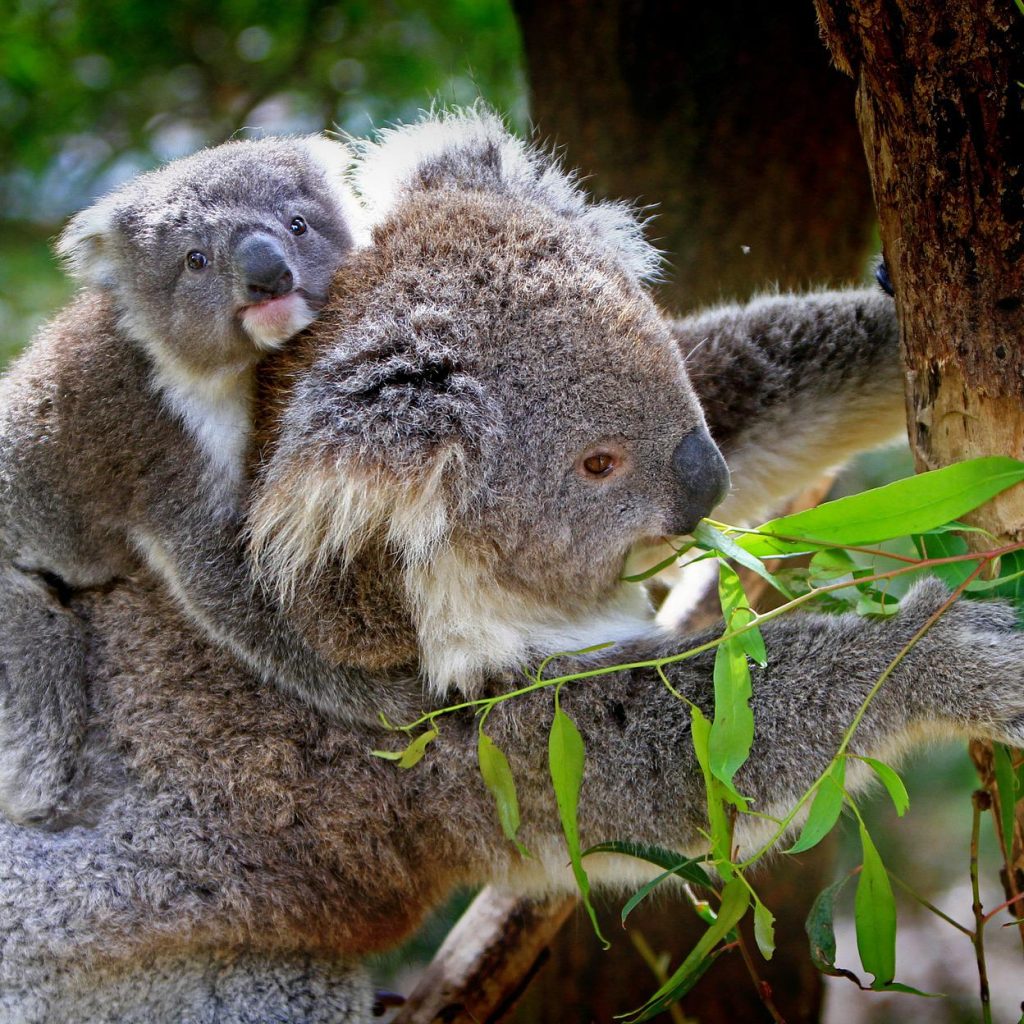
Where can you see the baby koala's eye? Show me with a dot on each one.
(297, 226)
(197, 260)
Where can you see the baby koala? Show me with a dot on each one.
(125, 428)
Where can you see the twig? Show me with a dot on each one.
(979, 801)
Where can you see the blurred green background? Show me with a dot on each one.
(93, 92)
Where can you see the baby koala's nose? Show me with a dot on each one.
(263, 268)
(700, 469)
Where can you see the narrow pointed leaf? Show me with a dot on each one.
(565, 761)
(708, 537)
(668, 860)
(497, 776)
(914, 505)
(892, 782)
(685, 869)
(825, 809)
(721, 833)
(414, 752)
(874, 913)
(732, 731)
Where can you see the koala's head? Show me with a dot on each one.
(222, 255)
(492, 395)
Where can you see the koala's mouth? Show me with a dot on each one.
(272, 321)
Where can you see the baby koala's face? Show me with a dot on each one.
(224, 255)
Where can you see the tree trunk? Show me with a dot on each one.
(726, 116)
(939, 102)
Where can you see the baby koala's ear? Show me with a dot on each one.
(334, 159)
(88, 244)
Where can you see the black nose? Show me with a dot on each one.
(700, 468)
(263, 267)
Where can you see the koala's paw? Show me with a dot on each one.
(970, 666)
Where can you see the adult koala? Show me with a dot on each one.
(434, 504)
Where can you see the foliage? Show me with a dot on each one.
(844, 573)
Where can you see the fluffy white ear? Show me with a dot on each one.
(472, 149)
(86, 244)
(334, 159)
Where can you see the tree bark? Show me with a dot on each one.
(939, 102)
(726, 116)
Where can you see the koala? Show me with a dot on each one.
(125, 427)
(486, 417)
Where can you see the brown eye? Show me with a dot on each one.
(197, 260)
(600, 464)
(297, 226)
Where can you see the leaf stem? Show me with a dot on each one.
(978, 798)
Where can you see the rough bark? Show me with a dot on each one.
(940, 107)
(727, 116)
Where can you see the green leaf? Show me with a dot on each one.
(735, 900)
(914, 505)
(825, 810)
(946, 545)
(670, 861)
(732, 731)
(764, 929)
(1006, 787)
(892, 782)
(829, 565)
(711, 539)
(874, 913)
(822, 935)
(565, 761)
(497, 776)
(721, 831)
(737, 613)
(412, 754)
(687, 869)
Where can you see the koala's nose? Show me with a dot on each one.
(263, 268)
(700, 468)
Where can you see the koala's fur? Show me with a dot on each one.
(125, 427)
(250, 852)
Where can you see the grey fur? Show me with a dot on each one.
(241, 821)
(125, 428)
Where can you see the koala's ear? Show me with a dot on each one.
(334, 159)
(381, 441)
(472, 149)
(87, 244)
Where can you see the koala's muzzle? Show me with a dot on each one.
(700, 468)
(263, 268)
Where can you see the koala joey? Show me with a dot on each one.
(125, 427)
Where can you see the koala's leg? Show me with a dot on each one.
(794, 385)
(42, 700)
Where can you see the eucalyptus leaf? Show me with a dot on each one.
(892, 782)
(874, 914)
(913, 505)
(764, 929)
(821, 933)
(413, 753)
(668, 860)
(825, 810)
(565, 761)
(1006, 787)
(711, 539)
(497, 776)
(732, 731)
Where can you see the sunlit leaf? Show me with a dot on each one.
(732, 731)
(912, 505)
(764, 929)
(412, 754)
(711, 539)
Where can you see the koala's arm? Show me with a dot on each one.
(643, 782)
(793, 385)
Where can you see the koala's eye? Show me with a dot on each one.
(197, 260)
(297, 226)
(599, 465)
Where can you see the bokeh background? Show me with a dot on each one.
(729, 123)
